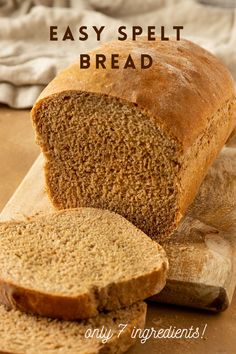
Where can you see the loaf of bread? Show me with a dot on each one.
(74, 263)
(26, 334)
(135, 141)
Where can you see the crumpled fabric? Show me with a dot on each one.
(29, 60)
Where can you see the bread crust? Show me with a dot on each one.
(112, 296)
(84, 306)
(183, 75)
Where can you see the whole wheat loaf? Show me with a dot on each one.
(73, 263)
(26, 334)
(135, 141)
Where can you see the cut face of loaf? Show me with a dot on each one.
(113, 157)
(137, 142)
(21, 333)
(74, 263)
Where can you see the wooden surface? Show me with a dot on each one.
(20, 152)
(201, 253)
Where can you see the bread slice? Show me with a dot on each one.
(135, 141)
(26, 334)
(74, 263)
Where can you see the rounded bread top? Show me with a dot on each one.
(182, 89)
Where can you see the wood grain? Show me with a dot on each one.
(201, 252)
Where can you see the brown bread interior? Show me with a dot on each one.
(104, 152)
(108, 153)
(21, 333)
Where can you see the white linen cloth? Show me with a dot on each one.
(28, 60)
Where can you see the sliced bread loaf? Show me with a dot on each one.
(26, 334)
(73, 263)
(135, 141)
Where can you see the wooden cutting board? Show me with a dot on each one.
(201, 253)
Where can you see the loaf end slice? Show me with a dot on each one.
(22, 333)
(73, 264)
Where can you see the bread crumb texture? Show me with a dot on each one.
(26, 334)
(73, 263)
